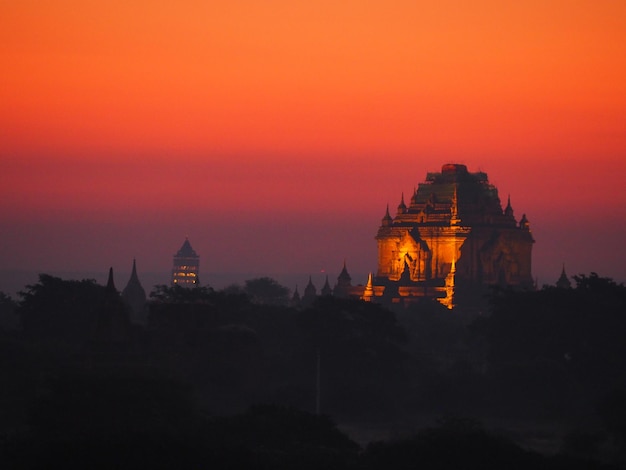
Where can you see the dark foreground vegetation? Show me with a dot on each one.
(235, 378)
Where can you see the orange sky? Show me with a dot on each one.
(220, 120)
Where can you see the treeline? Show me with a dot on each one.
(547, 359)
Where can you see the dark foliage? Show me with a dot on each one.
(554, 355)
(464, 444)
(150, 423)
(179, 294)
(58, 310)
(265, 290)
(360, 354)
(8, 315)
(245, 352)
(113, 403)
(612, 410)
(450, 448)
(281, 437)
(553, 349)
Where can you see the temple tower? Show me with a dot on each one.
(186, 267)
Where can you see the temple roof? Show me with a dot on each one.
(453, 195)
(186, 251)
(508, 211)
(402, 205)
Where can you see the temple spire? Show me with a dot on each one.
(387, 220)
(295, 300)
(563, 282)
(326, 290)
(135, 296)
(133, 273)
(508, 211)
(310, 293)
(110, 284)
(369, 288)
(402, 205)
(344, 278)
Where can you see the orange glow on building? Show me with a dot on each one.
(452, 242)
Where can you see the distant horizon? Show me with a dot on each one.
(149, 279)
(14, 280)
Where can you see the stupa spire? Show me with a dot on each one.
(326, 290)
(135, 295)
(402, 205)
(508, 211)
(387, 220)
(133, 273)
(344, 278)
(110, 284)
(295, 300)
(563, 282)
(368, 293)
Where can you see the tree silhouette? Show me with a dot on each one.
(360, 354)
(8, 316)
(265, 290)
(553, 347)
(61, 310)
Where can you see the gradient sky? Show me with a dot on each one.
(274, 133)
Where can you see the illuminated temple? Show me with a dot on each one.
(186, 266)
(450, 242)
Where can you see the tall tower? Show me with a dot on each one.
(186, 266)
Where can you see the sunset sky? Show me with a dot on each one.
(273, 133)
